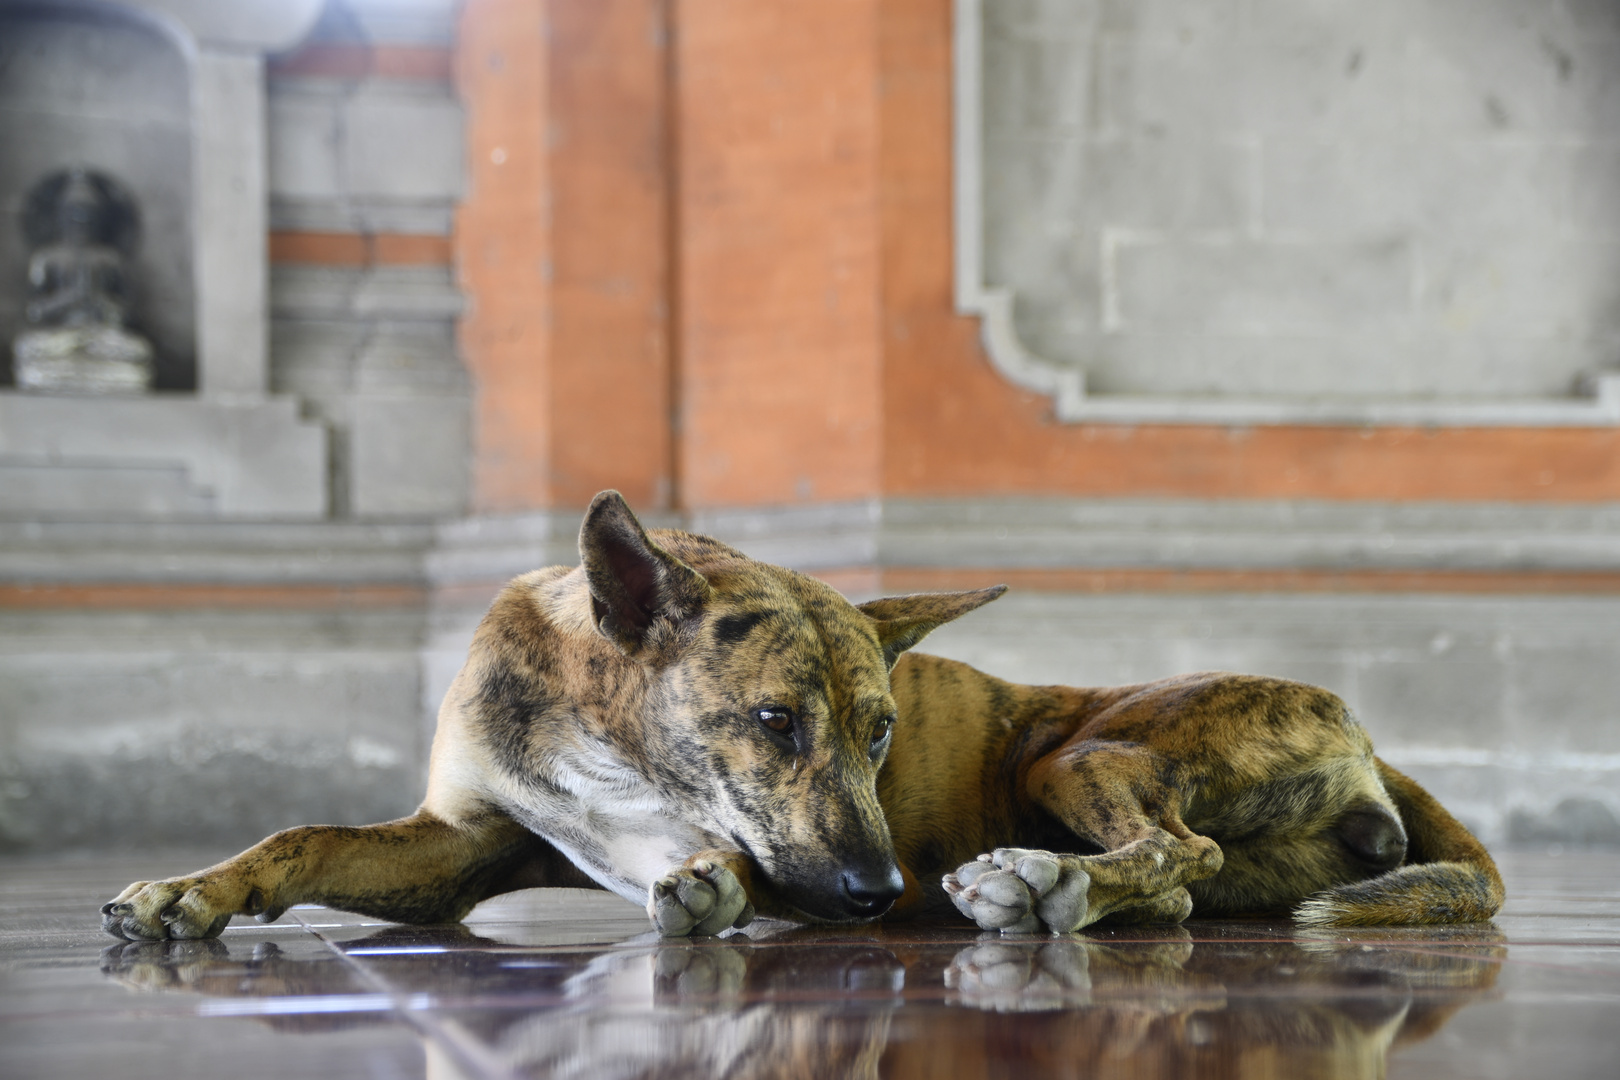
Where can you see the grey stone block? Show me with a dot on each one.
(403, 142)
(228, 215)
(1010, 532)
(408, 455)
(1496, 68)
(213, 552)
(256, 458)
(54, 490)
(214, 727)
(404, 294)
(1039, 85)
(422, 217)
(1378, 187)
(1177, 79)
(1549, 289)
(1454, 696)
(305, 142)
(1052, 200)
(1575, 682)
(1321, 66)
(830, 535)
(1253, 288)
(397, 400)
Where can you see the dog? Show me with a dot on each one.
(718, 738)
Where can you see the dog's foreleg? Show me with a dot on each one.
(1101, 792)
(1448, 876)
(418, 869)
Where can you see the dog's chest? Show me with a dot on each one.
(611, 821)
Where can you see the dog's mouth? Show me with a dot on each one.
(851, 892)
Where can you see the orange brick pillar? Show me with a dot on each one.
(503, 248)
(562, 248)
(777, 287)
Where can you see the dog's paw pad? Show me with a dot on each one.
(1021, 891)
(995, 899)
(1039, 870)
(179, 908)
(699, 900)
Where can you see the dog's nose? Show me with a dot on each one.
(1374, 836)
(870, 893)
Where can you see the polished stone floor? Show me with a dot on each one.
(568, 983)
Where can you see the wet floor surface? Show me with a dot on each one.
(568, 983)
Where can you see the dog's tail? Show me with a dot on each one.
(1448, 877)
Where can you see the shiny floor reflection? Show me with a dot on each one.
(564, 983)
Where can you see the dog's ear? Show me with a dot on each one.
(902, 621)
(636, 586)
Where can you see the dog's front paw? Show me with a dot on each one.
(1022, 891)
(179, 908)
(701, 899)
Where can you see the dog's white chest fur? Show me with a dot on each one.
(609, 820)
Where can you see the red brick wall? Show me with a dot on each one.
(727, 282)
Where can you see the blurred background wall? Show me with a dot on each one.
(1280, 337)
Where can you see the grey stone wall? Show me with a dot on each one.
(372, 351)
(1381, 198)
(204, 727)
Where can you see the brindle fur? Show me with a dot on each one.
(606, 730)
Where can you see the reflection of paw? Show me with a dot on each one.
(185, 907)
(1016, 976)
(700, 899)
(702, 971)
(1021, 891)
(160, 965)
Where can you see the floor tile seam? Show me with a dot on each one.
(468, 1052)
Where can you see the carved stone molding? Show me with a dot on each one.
(1595, 402)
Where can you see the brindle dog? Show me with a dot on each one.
(716, 736)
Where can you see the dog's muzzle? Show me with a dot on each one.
(868, 893)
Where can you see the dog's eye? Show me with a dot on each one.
(775, 719)
(882, 730)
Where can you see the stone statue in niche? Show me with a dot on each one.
(81, 226)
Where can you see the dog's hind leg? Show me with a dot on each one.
(418, 869)
(1115, 796)
(1448, 876)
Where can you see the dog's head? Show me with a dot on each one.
(772, 703)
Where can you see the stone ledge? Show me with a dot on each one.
(253, 457)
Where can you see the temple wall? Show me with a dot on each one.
(520, 251)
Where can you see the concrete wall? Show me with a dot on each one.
(1383, 198)
(706, 257)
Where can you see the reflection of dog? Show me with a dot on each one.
(681, 724)
(1148, 1003)
(1278, 1008)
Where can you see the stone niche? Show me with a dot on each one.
(107, 91)
(168, 96)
